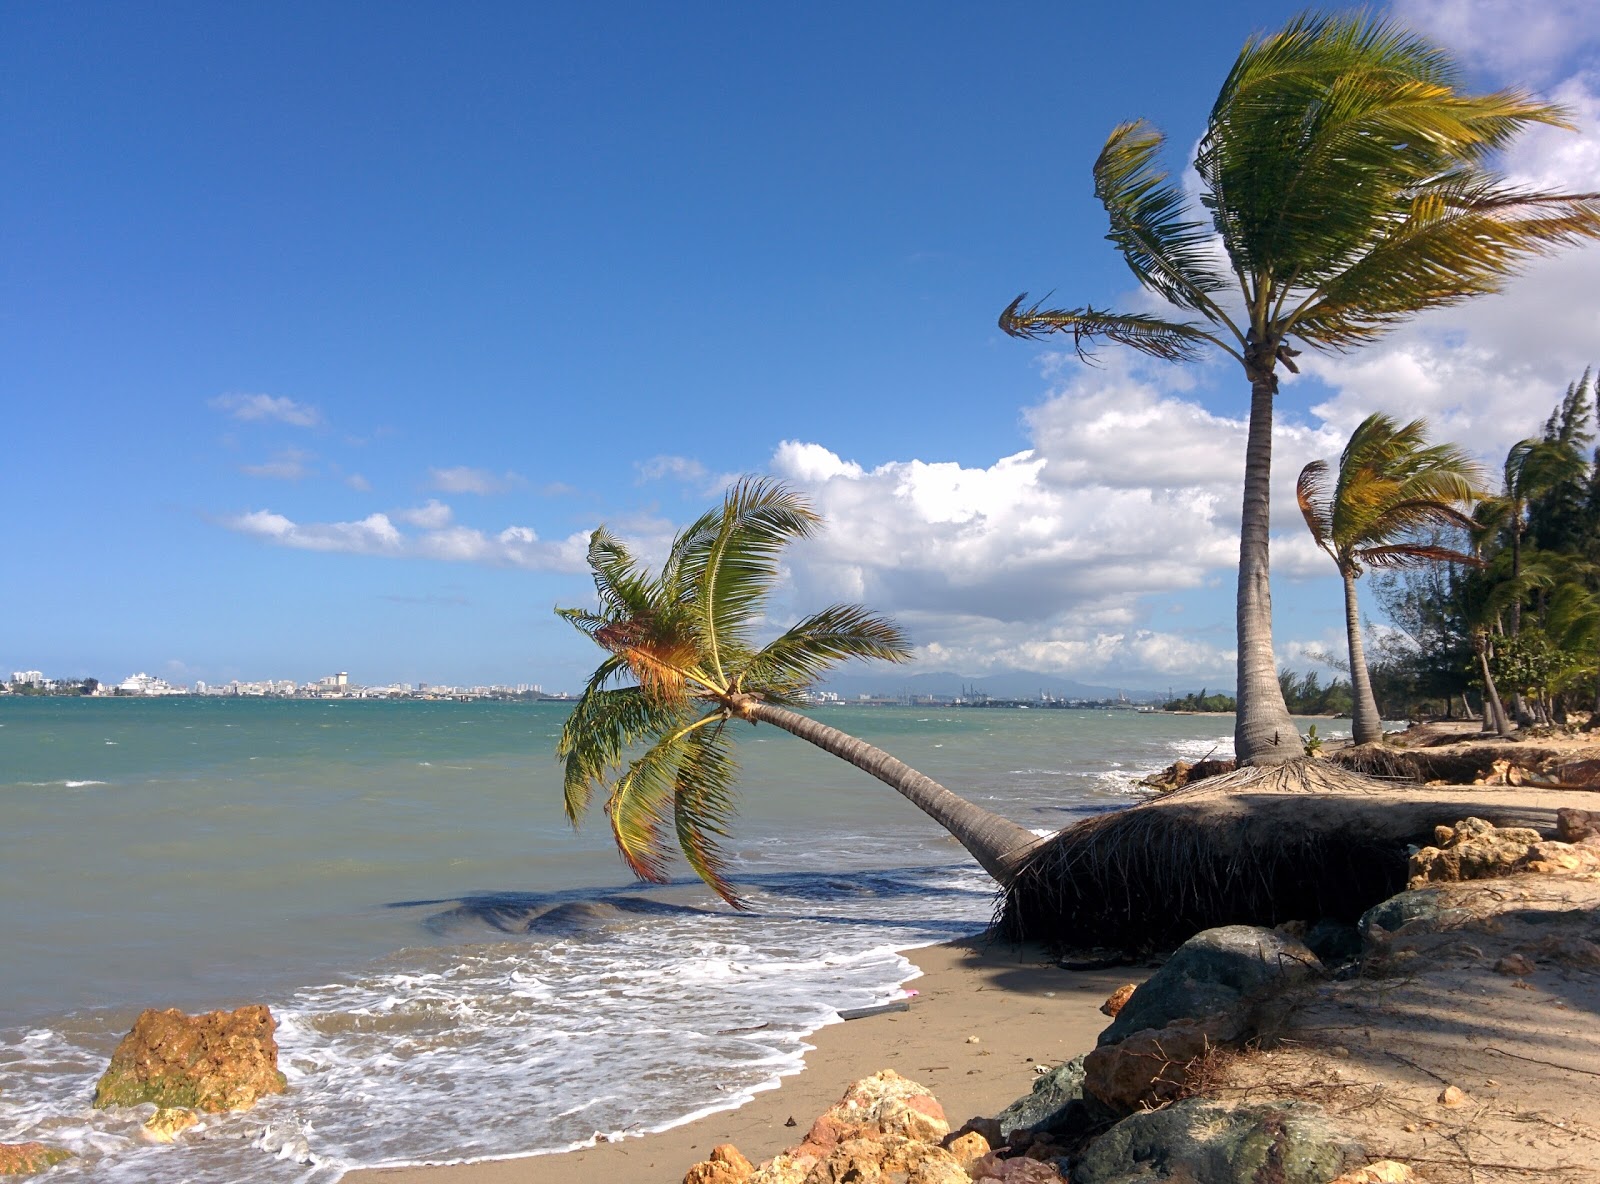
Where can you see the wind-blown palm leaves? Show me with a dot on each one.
(1390, 491)
(653, 726)
(1348, 186)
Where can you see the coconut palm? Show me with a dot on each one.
(1390, 488)
(1349, 186)
(654, 726)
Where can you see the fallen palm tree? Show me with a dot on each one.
(1258, 846)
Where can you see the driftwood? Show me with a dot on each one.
(1257, 846)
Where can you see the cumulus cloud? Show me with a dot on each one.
(462, 479)
(1505, 36)
(377, 534)
(268, 407)
(291, 464)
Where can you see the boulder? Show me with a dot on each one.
(968, 1148)
(783, 1169)
(994, 1170)
(1148, 1068)
(1415, 911)
(23, 1159)
(1575, 826)
(1216, 973)
(725, 1165)
(165, 1125)
(887, 1157)
(1052, 1094)
(1334, 942)
(1204, 1142)
(223, 1060)
(1472, 849)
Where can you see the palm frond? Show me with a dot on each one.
(641, 803)
(1390, 555)
(734, 566)
(604, 724)
(703, 805)
(1172, 341)
(1315, 499)
(838, 633)
(623, 586)
(1166, 251)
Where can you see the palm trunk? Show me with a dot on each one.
(1366, 724)
(1493, 711)
(1263, 733)
(999, 845)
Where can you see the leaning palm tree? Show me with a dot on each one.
(1349, 185)
(654, 726)
(1391, 486)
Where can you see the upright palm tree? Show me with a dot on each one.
(1391, 488)
(1349, 186)
(654, 724)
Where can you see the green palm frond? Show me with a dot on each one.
(1315, 497)
(642, 800)
(838, 633)
(604, 725)
(1391, 555)
(732, 563)
(1172, 341)
(703, 805)
(1167, 252)
(623, 586)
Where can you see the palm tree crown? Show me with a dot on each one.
(1392, 489)
(652, 725)
(1347, 186)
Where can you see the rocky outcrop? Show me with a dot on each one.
(725, 1165)
(1473, 849)
(222, 1060)
(1203, 1142)
(24, 1159)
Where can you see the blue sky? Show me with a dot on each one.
(330, 330)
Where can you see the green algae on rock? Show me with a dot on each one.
(222, 1060)
(24, 1159)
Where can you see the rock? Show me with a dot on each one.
(967, 1149)
(1117, 999)
(1385, 1171)
(1515, 965)
(973, 1040)
(1414, 911)
(1577, 773)
(1146, 1068)
(856, 1160)
(881, 1106)
(987, 1127)
(1205, 1142)
(1052, 1093)
(165, 1125)
(995, 1170)
(725, 1165)
(218, 1061)
(1334, 942)
(1218, 972)
(23, 1159)
(1472, 849)
(1453, 1096)
(1555, 858)
(783, 1169)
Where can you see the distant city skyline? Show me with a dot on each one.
(338, 335)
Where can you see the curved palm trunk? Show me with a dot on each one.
(1494, 711)
(999, 845)
(1263, 733)
(1366, 723)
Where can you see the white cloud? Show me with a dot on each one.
(268, 407)
(1511, 36)
(433, 516)
(680, 468)
(376, 534)
(462, 479)
(291, 464)
(358, 483)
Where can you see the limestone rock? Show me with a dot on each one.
(1574, 825)
(1205, 1142)
(1118, 999)
(725, 1165)
(880, 1106)
(994, 1170)
(165, 1125)
(218, 1061)
(1385, 1171)
(890, 1156)
(1472, 849)
(783, 1169)
(1052, 1093)
(1146, 1068)
(23, 1159)
(1453, 1096)
(1216, 973)
(967, 1149)
(1555, 858)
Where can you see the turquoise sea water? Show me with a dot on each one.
(398, 882)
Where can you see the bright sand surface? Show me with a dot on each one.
(1022, 1008)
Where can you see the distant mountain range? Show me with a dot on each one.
(1008, 685)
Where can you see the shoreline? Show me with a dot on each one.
(1023, 1009)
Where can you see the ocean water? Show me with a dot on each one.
(456, 973)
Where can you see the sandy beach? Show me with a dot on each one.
(1022, 1008)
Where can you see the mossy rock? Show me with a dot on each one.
(24, 1159)
(218, 1061)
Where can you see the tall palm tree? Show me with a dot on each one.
(654, 725)
(1391, 486)
(1349, 186)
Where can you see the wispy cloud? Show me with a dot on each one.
(268, 407)
(291, 464)
(679, 468)
(358, 483)
(433, 516)
(377, 534)
(462, 479)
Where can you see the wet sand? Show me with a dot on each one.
(1020, 1006)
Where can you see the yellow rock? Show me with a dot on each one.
(165, 1125)
(1385, 1171)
